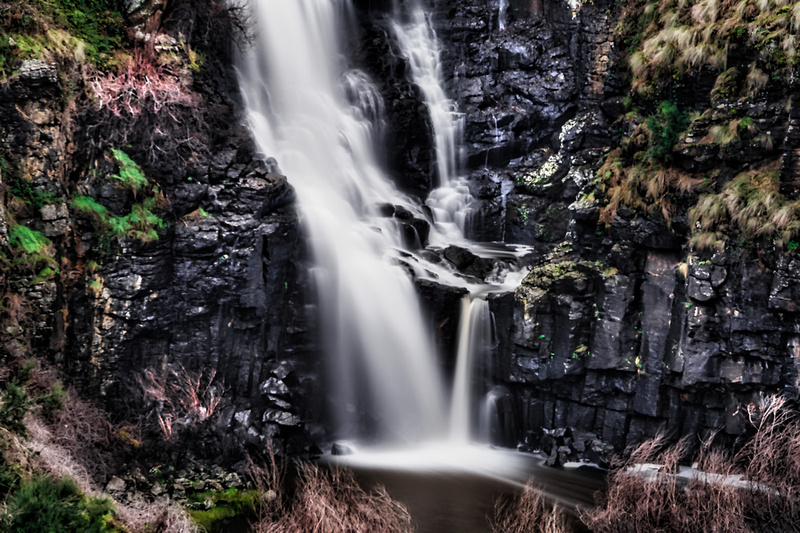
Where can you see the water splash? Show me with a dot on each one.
(502, 13)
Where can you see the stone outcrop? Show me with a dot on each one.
(621, 330)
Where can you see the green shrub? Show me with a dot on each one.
(14, 407)
(97, 23)
(9, 475)
(141, 223)
(130, 174)
(21, 187)
(665, 126)
(30, 248)
(228, 504)
(53, 400)
(15, 402)
(57, 506)
(89, 206)
(639, 175)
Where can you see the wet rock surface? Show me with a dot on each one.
(621, 331)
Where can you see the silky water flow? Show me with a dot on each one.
(318, 117)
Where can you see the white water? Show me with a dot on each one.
(382, 359)
(418, 42)
(501, 15)
(320, 119)
(474, 336)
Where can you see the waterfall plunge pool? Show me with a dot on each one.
(452, 488)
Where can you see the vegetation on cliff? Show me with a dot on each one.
(697, 147)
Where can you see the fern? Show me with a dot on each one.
(130, 174)
(29, 241)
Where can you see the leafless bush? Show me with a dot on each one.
(142, 83)
(662, 501)
(56, 460)
(332, 500)
(179, 398)
(530, 513)
(771, 461)
(84, 431)
(147, 105)
(210, 21)
(269, 482)
(756, 489)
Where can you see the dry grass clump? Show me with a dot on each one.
(755, 490)
(685, 36)
(56, 455)
(78, 441)
(85, 432)
(650, 187)
(530, 513)
(328, 500)
(155, 517)
(657, 500)
(753, 203)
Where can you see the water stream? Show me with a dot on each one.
(474, 336)
(382, 360)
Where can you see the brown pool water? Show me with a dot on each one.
(445, 497)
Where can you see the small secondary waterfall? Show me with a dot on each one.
(418, 42)
(449, 201)
(382, 359)
(474, 338)
(502, 14)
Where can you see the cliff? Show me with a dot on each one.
(656, 185)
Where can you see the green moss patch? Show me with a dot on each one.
(223, 507)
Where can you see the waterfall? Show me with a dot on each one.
(501, 15)
(474, 338)
(451, 199)
(418, 42)
(302, 111)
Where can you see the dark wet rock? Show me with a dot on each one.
(700, 290)
(468, 263)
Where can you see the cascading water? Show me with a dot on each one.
(474, 336)
(319, 120)
(502, 14)
(382, 359)
(418, 42)
(450, 200)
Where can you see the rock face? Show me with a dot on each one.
(219, 295)
(623, 330)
